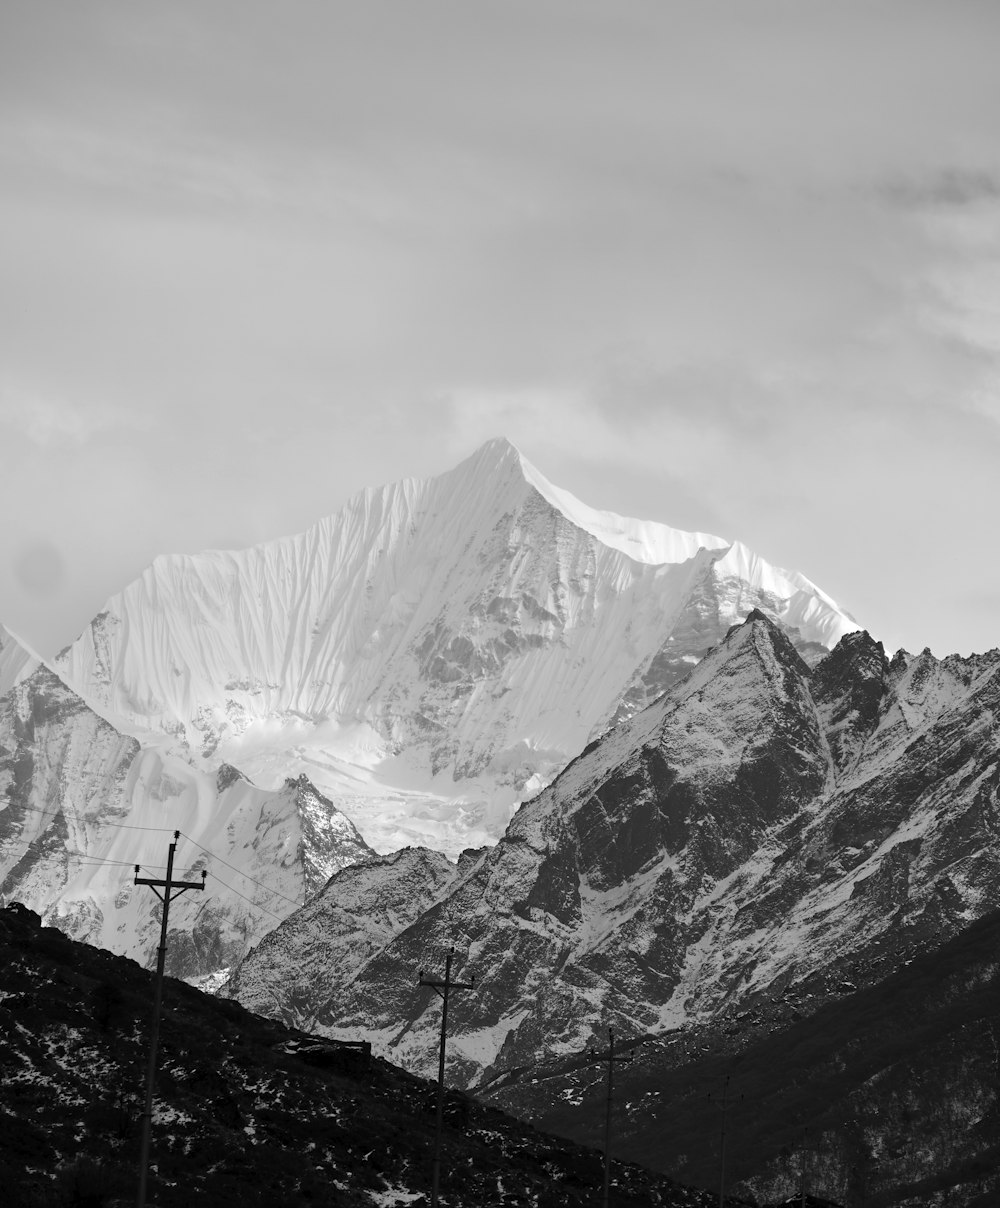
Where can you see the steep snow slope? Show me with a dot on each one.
(432, 654)
(81, 804)
(759, 828)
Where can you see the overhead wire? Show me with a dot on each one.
(249, 901)
(97, 861)
(240, 872)
(164, 830)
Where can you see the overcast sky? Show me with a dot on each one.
(734, 266)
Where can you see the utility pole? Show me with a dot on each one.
(171, 889)
(443, 989)
(722, 1143)
(611, 1060)
(722, 1140)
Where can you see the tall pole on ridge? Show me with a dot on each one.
(727, 1101)
(171, 889)
(611, 1059)
(722, 1143)
(443, 989)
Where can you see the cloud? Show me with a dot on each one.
(945, 187)
(45, 420)
(730, 266)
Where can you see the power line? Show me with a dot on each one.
(255, 905)
(240, 872)
(116, 863)
(160, 830)
(166, 831)
(90, 856)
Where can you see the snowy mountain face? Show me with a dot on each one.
(764, 833)
(408, 671)
(431, 655)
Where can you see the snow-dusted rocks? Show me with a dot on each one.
(81, 804)
(317, 949)
(63, 777)
(762, 826)
(432, 654)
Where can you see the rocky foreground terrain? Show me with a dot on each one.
(888, 1097)
(248, 1112)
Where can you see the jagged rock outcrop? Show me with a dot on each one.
(762, 827)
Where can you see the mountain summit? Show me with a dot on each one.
(433, 653)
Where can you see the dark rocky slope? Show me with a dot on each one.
(763, 830)
(248, 1113)
(889, 1095)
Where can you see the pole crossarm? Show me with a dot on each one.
(180, 886)
(443, 989)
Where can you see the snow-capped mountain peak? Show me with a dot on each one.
(431, 654)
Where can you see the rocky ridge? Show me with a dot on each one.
(761, 836)
(885, 1095)
(247, 1113)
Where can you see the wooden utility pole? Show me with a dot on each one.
(612, 1060)
(443, 989)
(722, 1139)
(722, 1143)
(171, 889)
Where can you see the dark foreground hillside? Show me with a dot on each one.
(248, 1112)
(889, 1096)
